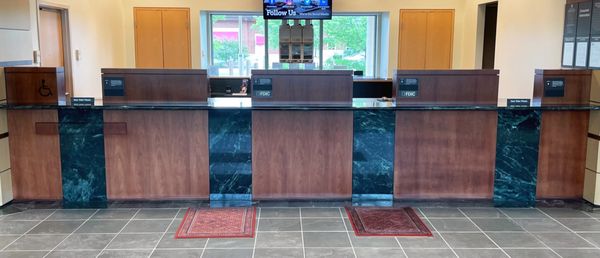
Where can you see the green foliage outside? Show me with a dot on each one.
(347, 33)
(225, 51)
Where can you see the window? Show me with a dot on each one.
(349, 42)
(238, 43)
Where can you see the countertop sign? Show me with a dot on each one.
(408, 88)
(554, 87)
(518, 103)
(82, 102)
(263, 88)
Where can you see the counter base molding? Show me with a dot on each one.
(445, 154)
(517, 153)
(82, 158)
(563, 140)
(230, 147)
(34, 158)
(373, 158)
(302, 155)
(162, 156)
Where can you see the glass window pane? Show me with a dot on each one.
(349, 43)
(274, 44)
(237, 44)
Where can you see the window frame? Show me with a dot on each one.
(377, 43)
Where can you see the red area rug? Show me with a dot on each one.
(378, 221)
(218, 223)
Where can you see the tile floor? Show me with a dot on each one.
(301, 232)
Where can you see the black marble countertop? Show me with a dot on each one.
(246, 103)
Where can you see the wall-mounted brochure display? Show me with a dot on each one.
(594, 56)
(570, 32)
(584, 21)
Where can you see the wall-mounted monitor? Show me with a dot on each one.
(297, 9)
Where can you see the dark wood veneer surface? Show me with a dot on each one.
(159, 85)
(30, 85)
(450, 87)
(160, 155)
(577, 87)
(333, 87)
(34, 157)
(563, 146)
(302, 154)
(445, 154)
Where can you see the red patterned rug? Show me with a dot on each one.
(218, 223)
(378, 221)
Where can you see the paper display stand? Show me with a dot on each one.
(582, 46)
(594, 56)
(569, 35)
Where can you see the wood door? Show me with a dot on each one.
(413, 39)
(51, 38)
(440, 31)
(176, 38)
(148, 38)
(426, 39)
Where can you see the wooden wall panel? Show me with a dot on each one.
(148, 38)
(34, 158)
(445, 154)
(163, 155)
(301, 154)
(162, 37)
(440, 32)
(413, 39)
(563, 145)
(176, 38)
(426, 39)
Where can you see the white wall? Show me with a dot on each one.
(529, 37)
(96, 29)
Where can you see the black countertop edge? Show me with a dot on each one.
(299, 108)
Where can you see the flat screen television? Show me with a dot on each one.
(297, 9)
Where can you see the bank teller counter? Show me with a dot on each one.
(34, 142)
(301, 154)
(441, 152)
(562, 133)
(155, 154)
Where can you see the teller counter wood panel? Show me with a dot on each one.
(160, 155)
(576, 90)
(445, 154)
(328, 87)
(35, 154)
(301, 154)
(563, 143)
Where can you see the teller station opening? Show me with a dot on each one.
(299, 135)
